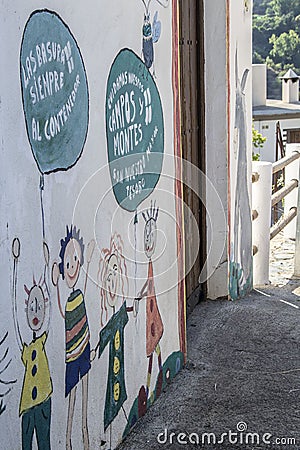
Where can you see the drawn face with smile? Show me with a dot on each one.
(35, 310)
(150, 232)
(72, 260)
(112, 280)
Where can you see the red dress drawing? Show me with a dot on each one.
(154, 324)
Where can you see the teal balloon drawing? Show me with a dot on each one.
(134, 130)
(54, 92)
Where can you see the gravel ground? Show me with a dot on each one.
(282, 252)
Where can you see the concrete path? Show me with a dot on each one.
(240, 388)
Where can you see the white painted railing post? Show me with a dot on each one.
(297, 243)
(290, 201)
(261, 203)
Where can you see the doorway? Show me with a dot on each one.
(191, 48)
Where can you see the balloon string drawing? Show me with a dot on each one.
(54, 94)
(42, 184)
(135, 222)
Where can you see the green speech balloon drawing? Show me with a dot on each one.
(134, 130)
(54, 92)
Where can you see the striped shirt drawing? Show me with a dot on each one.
(77, 328)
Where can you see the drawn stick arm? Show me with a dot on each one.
(59, 302)
(15, 309)
(89, 254)
(143, 291)
(55, 281)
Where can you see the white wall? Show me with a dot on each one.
(216, 143)
(224, 39)
(240, 153)
(268, 129)
(259, 84)
(83, 196)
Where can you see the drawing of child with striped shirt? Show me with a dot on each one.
(77, 334)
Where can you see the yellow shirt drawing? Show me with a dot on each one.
(37, 383)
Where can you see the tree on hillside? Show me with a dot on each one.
(276, 37)
(259, 7)
(286, 48)
(281, 7)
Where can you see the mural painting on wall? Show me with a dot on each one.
(241, 247)
(77, 334)
(35, 402)
(135, 147)
(56, 109)
(113, 284)
(5, 383)
(54, 94)
(151, 32)
(154, 329)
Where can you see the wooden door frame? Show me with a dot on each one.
(200, 86)
(202, 141)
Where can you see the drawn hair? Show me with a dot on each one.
(151, 213)
(41, 284)
(163, 3)
(72, 233)
(115, 248)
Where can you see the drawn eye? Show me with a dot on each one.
(68, 265)
(75, 258)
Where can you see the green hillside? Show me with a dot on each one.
(276, 39)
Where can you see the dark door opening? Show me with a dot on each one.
(193, 141)
(293, 136)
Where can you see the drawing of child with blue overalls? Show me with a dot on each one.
(35, 402)
(112, 277)
(77, 333)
